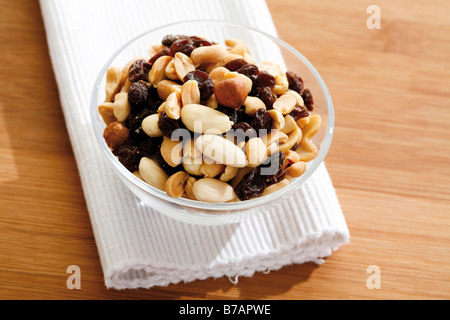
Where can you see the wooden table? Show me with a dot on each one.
(389, 161)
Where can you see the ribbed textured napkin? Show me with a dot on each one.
(139, 247)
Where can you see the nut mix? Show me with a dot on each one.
(203, 121)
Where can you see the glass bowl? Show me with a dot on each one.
(263, 47)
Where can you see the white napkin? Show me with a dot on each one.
(139, 247)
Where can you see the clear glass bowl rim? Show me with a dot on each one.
(228, 206)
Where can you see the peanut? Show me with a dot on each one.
(213, 190)
(188, 189)
(170, 71)
(152, 173)
(210, 170)
(173, 106)
(307, 149)
(275, 187)
(106, 111)
(166, 87)
(253, 104)
(112, 86)
(122, 108)
(198, 118)
(208, 54)
(176, 184)
(221, 150)
(297, 169)
(256, 151)
(183, 65)
(190, 93)
(278, 121)
(285, 104)
(172, 151)
(150, 126)
(228, 174)
(158, 71)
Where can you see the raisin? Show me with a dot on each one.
(182, 45)
(299, 112)
(272, 168)
(262, 121)
(149, 146)
(153, 100)
(205, 84)
(200, 42)
(252, 72)
(308, 99)
(170, 38)
(139, 70)
(231, 113)
(137, 95)
(129, 157)
(163, 52)
(295, 82)
(167, 125)
(265, 79)
(244, 131)
(252, 185)
(134, 123)
(266, 95)
(236, 64)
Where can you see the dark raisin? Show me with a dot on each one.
(262, 121)
(272, 168)
(182, 45)
(200, 42)
(205, 84)
(295, 82)
(252, 185)
(163, 52)
(153, 100)
(252, 72)
(266, 95)
(170, 38)
(149, 146)
(308, 99)
(236, 64)
(265, 79)
(299, 112)
(231, 113)
(167, 125)
(134, 123)
(129, 156)
(139, 70)
(138, 95)
(244, 131)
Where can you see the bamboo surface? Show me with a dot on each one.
(389, 160)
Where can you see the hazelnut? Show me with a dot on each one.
(115, 134)
(231, 93)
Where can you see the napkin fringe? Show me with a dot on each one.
(147, 274)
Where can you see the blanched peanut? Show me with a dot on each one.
(285, 104)
(210, 170)
(253, 104)
(278, 120)
(275, 187)
(122, 108)
(289, 125)
(212, 102)
(193, 166)
(228, 174)
(190, 93)
(166, 87)
(112, 86)
(173, 106)
(302, 122)
(281, 84)
(150, 126)
(221, 150)
(170, 71)
(256, 151)
(158, 71)
(188, 189)
(176, 184)
(152, 173)
(307, 149)
(297, 169)
(106, 111)
(172, 151)
(183, 65)
(297, 97)
(293, 138)
(198, 118)
(218, 75)
(292, 157)
(234, 42)
(208, 54)
(213, 190)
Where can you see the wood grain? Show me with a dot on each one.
(389, 160)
